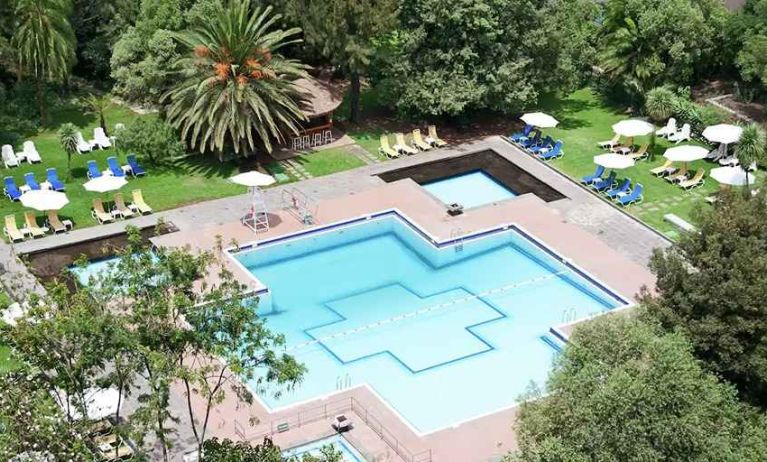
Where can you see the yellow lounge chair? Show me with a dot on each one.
(11, 230)
(667, 168)
(100, 214)
(610, 143)
(681, 175)
(122, 209)
(695, 181)
(31, 222)
(641, 153)
(418, 141)
(55, 223)
(401, 146)
(139, 204)
(433, 139)
(385, 149)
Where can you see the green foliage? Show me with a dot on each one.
(236, 91)
(657, 42)
(623, 391)
(698, 116)
(216, 450)
(752, 147)
(660, 104)
(152, 139)
(711, 286)
(98, 106)
(68, 140)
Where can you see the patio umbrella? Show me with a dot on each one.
(105, 183)
(723, 133)
(253, 179)
(686, 153)
(539, 119)
(614, 161)
(633, 127)
(732, 176)
(100, 403)
(44, 200)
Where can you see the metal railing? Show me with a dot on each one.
(326, 411)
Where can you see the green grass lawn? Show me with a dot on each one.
(329, 161)
(586, 120)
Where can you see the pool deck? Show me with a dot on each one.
(607, 243)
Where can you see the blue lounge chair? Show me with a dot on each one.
(11, 190)
(634, 197)
(553, 153)
(114, 167)
(135, 167)
(597, 175)
(605, 184)
(29, 178)
(53, 179)
(621, 190)
(526, 143)
(545, 144)
(517, 137)
(93, 169)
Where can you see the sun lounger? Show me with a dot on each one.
(729, 161)
(30, 153)
(82, 145)
(32, 183)
(715, 154)
(641, 153)
(597, 175)
(401, 146)
(98, 212)
(517, 137)
(55, 223)
(11, 190)
(32, 227)
(9, 157)
(666, 169)
(139, 204)
(418, 141)
(605, 184)
(53, 179)
(681, 175)
(386, 149)
(93, 170)
(101, 139)
(682, 135)
(434, 139)
(555, 152)
(695, 181)
(11, 230)
(529, 142)
(120, 207)
(609, 144)
(543, 145)
(114, 167)
(634, 197)
(668, 129)
(135, 168)
(621, 190)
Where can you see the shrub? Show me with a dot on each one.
(152, 138)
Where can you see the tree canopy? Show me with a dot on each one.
(622, 390)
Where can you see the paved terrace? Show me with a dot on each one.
(606, 242)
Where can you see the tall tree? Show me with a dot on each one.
(752, 147)
(68, 141)
(45, 44)
(711, 286)
(343, 32)
(622, 391)
(236, 91)
(98, 105)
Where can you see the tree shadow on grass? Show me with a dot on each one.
(207, 166)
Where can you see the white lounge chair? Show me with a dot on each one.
(101, 139)
(9, 157)
(729, 161)
(682, 135)
(668, 129)
(82, 145)
(30, 152)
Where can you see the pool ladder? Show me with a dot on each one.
(343, 382)
(456, 235)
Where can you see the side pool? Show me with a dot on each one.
(349, 454)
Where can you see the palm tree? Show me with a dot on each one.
(44, 43)
(97, 105)
(236, 91)
(752, 147)
(660, 103)
(68, 141)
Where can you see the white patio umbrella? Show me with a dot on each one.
(100, 403)
(539, 119)
(105, 183)
(614, 161)
(723, 133)
(732, 176)
(253, 179)
(44, 200)
(633, 127)
(686, 153)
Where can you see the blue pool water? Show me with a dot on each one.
(470, 190)
(349, 453)
(94, 269)
(436, 367)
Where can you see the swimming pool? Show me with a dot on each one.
(469, 189)
(442, 332)
(349, 454)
